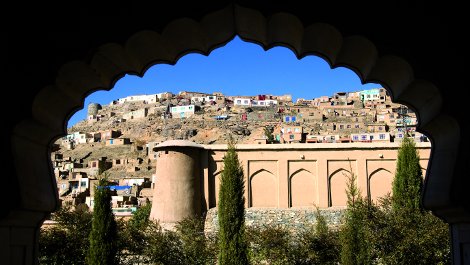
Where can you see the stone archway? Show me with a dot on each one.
(54, 104)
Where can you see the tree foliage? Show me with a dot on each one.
(198, 249)
(140, 218)
(355, 246)
(403, 232)
(268, 133)
(408, 181)
(231, 211)
(67, 241)
(414, 238)
(269, 244)
(103, 235)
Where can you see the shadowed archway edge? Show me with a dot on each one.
(75, 80)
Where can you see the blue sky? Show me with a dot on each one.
(238, 68)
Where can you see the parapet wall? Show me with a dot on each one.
(303, 175)
(281, 178)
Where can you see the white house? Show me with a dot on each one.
(264, 103)
(182, 111)
(147, 98)
(243, 102)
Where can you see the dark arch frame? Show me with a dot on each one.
(31, 177)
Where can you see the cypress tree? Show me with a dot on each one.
(231, 211)
(408, 181)
(103, 235)
(408, 234)
(355, 246)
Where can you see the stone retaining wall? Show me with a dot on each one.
(292, 219)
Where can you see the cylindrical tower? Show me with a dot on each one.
(178, 190)
(93, 108)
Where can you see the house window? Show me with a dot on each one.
(355, 137)
(239, 101)
(291, 137)
(380, 128)
(356, 126)
(349, 126)
(382, 136)
(83, 184)
(341, 126)
(363, 137)
(289, 130)
(245, 102)
(297, 130)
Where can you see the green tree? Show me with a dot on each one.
(355, 245)
(402, 231)
(231, 211)
(269, 244)
(408, 181)
(140, 218)
(103, 235)
(163, 247)
(133, 236)
(67, 241)
(324, 243)
(268, 132)
(196, 247)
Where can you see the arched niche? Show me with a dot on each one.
(263, 189)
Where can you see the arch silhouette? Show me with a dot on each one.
(54, 103)
(111, 61)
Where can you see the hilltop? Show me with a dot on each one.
(118, 138)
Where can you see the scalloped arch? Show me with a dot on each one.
(75, 80)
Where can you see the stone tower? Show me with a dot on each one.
(178, 185)
(93, 108)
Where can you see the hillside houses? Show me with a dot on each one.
(135, 125)
(343, 113)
